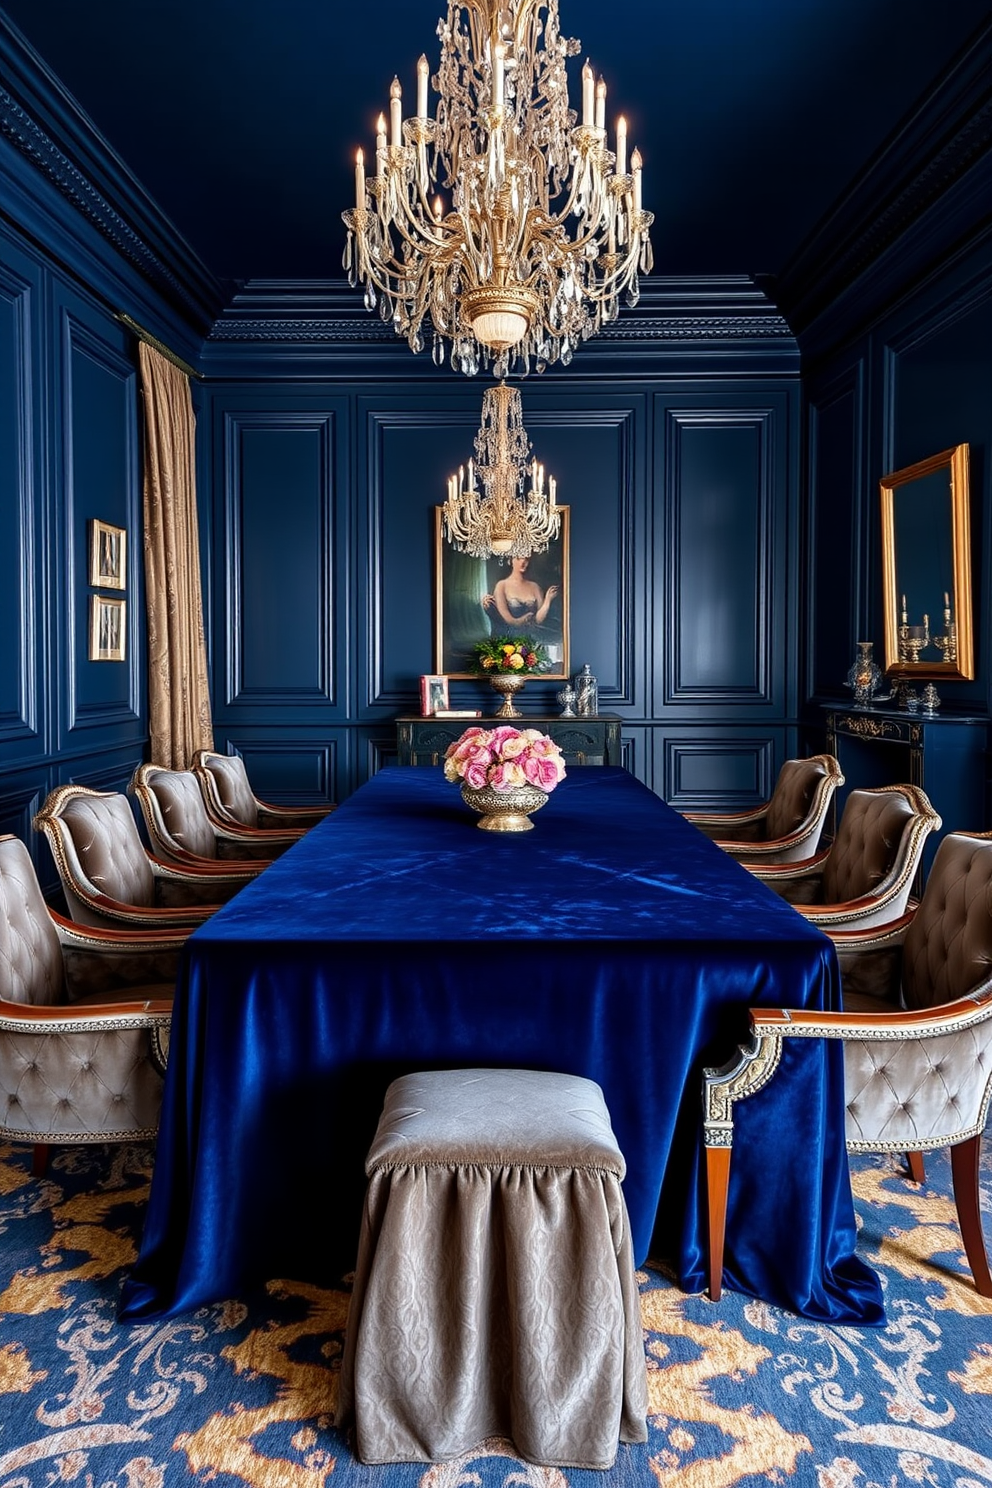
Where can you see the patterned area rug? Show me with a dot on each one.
(740, 1393)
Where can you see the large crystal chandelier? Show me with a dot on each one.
(544, 230)
(504, 517)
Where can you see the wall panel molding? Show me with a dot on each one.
(699, 771)
(99, 474)
(279, 614)
(21, 525)
(288, 768)
(840, 524)
(721, 543)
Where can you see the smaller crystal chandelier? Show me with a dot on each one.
(503, 518)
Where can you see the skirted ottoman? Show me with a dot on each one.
(494, 1292)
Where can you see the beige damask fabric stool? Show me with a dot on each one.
(494, 1294)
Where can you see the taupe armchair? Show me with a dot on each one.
(181, 832)
(232, 803)
(84, 1020)
(865, 877)
(917, 1066)
(787, 828)
(109, 878)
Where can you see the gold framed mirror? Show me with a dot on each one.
(926, 569)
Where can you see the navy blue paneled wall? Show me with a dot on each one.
(68, 454)
(69, 437)
(676, 455)
(892, 302)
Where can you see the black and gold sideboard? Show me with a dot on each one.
(582, 741)
(943, 753)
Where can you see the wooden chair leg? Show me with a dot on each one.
(717, 1180)
(39, 1159)
(915, 1163)
(964, 1172)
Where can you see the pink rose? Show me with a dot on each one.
(475, 773)
(508, 776)
(500, 736)
(454, 751)
(542, 772)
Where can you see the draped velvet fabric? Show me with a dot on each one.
(613, 941)
(178, 696)
(494, 1291)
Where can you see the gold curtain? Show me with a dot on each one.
(178, 696)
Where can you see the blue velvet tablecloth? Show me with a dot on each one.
(613, 941)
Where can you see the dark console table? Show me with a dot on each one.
(583, 741)
(944, 754)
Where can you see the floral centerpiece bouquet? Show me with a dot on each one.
(504, 758)
(509, 656)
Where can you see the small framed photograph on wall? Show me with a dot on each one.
(107, 628)
(108, 556)
(433, 695)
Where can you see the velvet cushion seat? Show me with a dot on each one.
(494, 1293)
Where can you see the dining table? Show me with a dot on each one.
(613, 940)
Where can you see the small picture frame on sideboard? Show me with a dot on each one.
(433, 694)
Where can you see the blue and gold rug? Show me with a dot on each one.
(740, 1393)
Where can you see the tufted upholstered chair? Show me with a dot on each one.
(864, 878)
(917, 1065)
(232, 803)
(109, 878)
(181, 832)
(84, 1020)
(787, 828)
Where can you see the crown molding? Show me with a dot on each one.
(304, 321)
(52, 135)
(935, 157)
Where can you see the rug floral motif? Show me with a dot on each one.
(244, 1391)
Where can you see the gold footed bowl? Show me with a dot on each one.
(509, 684)
(504, 811)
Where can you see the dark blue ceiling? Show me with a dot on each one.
(240, 117)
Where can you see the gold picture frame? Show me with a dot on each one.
(926, 569)
(108, 628)
(466, 603)
(108, 555)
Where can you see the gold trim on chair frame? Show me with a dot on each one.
(962, 667)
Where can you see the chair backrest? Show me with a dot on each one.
(803, 787)
(878, 842)
(226, 776)
(96, 846)
(947, 952)
(172, 804)
(31, 966)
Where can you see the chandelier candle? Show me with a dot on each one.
(543, 231)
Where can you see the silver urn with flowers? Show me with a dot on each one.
(506, 774)
(507, 661)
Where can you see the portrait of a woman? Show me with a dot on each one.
(479, 598)
(518, 601)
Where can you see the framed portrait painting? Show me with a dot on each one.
(480, 598)
(108, 556)
(107, 628)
